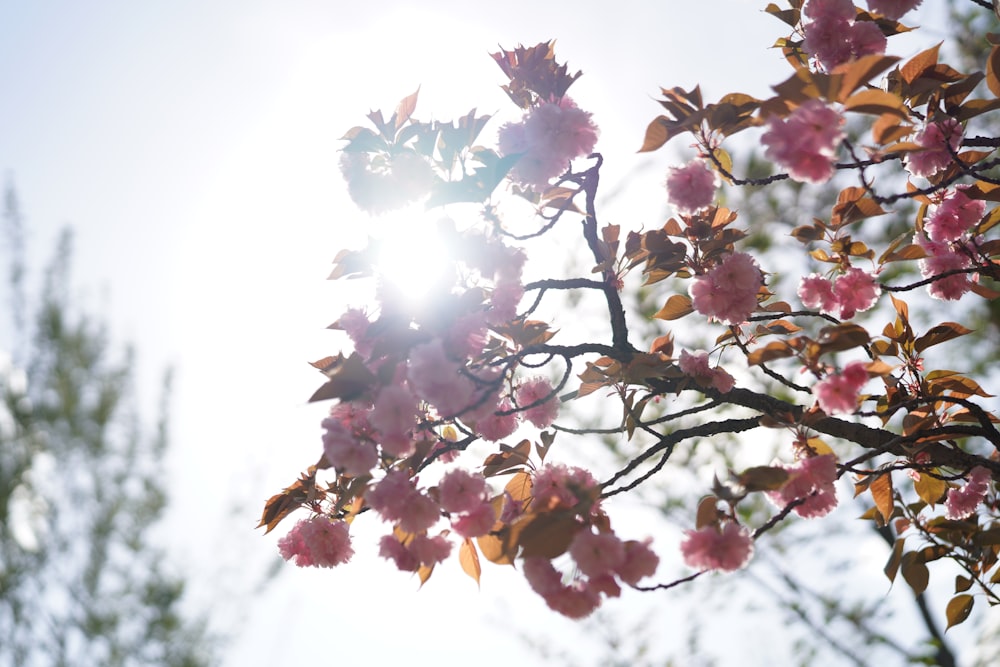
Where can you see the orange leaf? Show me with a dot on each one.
(469, 559)
(676, 307)
(881, 490)
(993, 71)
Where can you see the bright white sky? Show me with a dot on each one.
(193, 147)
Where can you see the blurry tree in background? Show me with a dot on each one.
(81, 487)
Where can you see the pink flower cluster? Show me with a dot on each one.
(317, 542)
(418, 550)
(943, 257)
(696, 365)
(833, 36)
(397, 500)
(692, 187)
(893, 9)
(556, 485)
(806, 142)
(547, 138)
(853, 292)
(465, 494)
(711, 548)
(963, 501)
(838, 392)
(947, 240)
(601, 559)
(939, 140)
(811, 479)
(537, 398)
(954, 215)
(728, 292)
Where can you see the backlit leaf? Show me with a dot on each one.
(881, 490)
(468, 557)
(958, 609)
(677, 306)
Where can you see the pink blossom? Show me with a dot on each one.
(547, 138)
(558, 485)
(504, 301)
(437, 379)
(477, 522)
(816, 292)
(391, 494)
(838, 392)
(954, 215)
(537, 390)
(355, 323)
(833, 36)
(893, 9)
(467, 334)
(811, 479)
(345, 452)
(317, 542)
(512, 508)
(728, 293)
(394, 416)
(806, 142)
(461, 491)
(575, 601)
(696, 365)
(392, 549)
(420, 513)
(856, 291)
(711, 549)
(605, 584)
(942, 258)
(542, 576)
(692, 187)
(640, 562)
(830, 10)
(429, 550)
(939, 140)
(962, 502)
(597, 554)
(495, 427)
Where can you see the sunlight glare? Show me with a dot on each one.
(414, 258)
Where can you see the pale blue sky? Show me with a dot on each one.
(193, 147)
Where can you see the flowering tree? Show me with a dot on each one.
(838, 368)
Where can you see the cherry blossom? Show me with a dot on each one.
(692, 187)
(893, 9)
(345, 451)
(392, 549)
(728, 293)
(811, 480)
(961, 502)
(547, 139)
(597, 553)
(557, 484)
(640, 562)
(833, 36)
(317, 542)
(531, 392)
(710, 548)
(939, 140)
(461, 491)
(838, 392)
(429, 551)
(477, 522)
(941, 258)
(954, 216)
(494, 426)
(696, 365)
(806, 142)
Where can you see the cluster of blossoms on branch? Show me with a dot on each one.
(425, 387)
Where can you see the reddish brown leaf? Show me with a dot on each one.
(676, 307)
(958, 609)
(881, 490)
